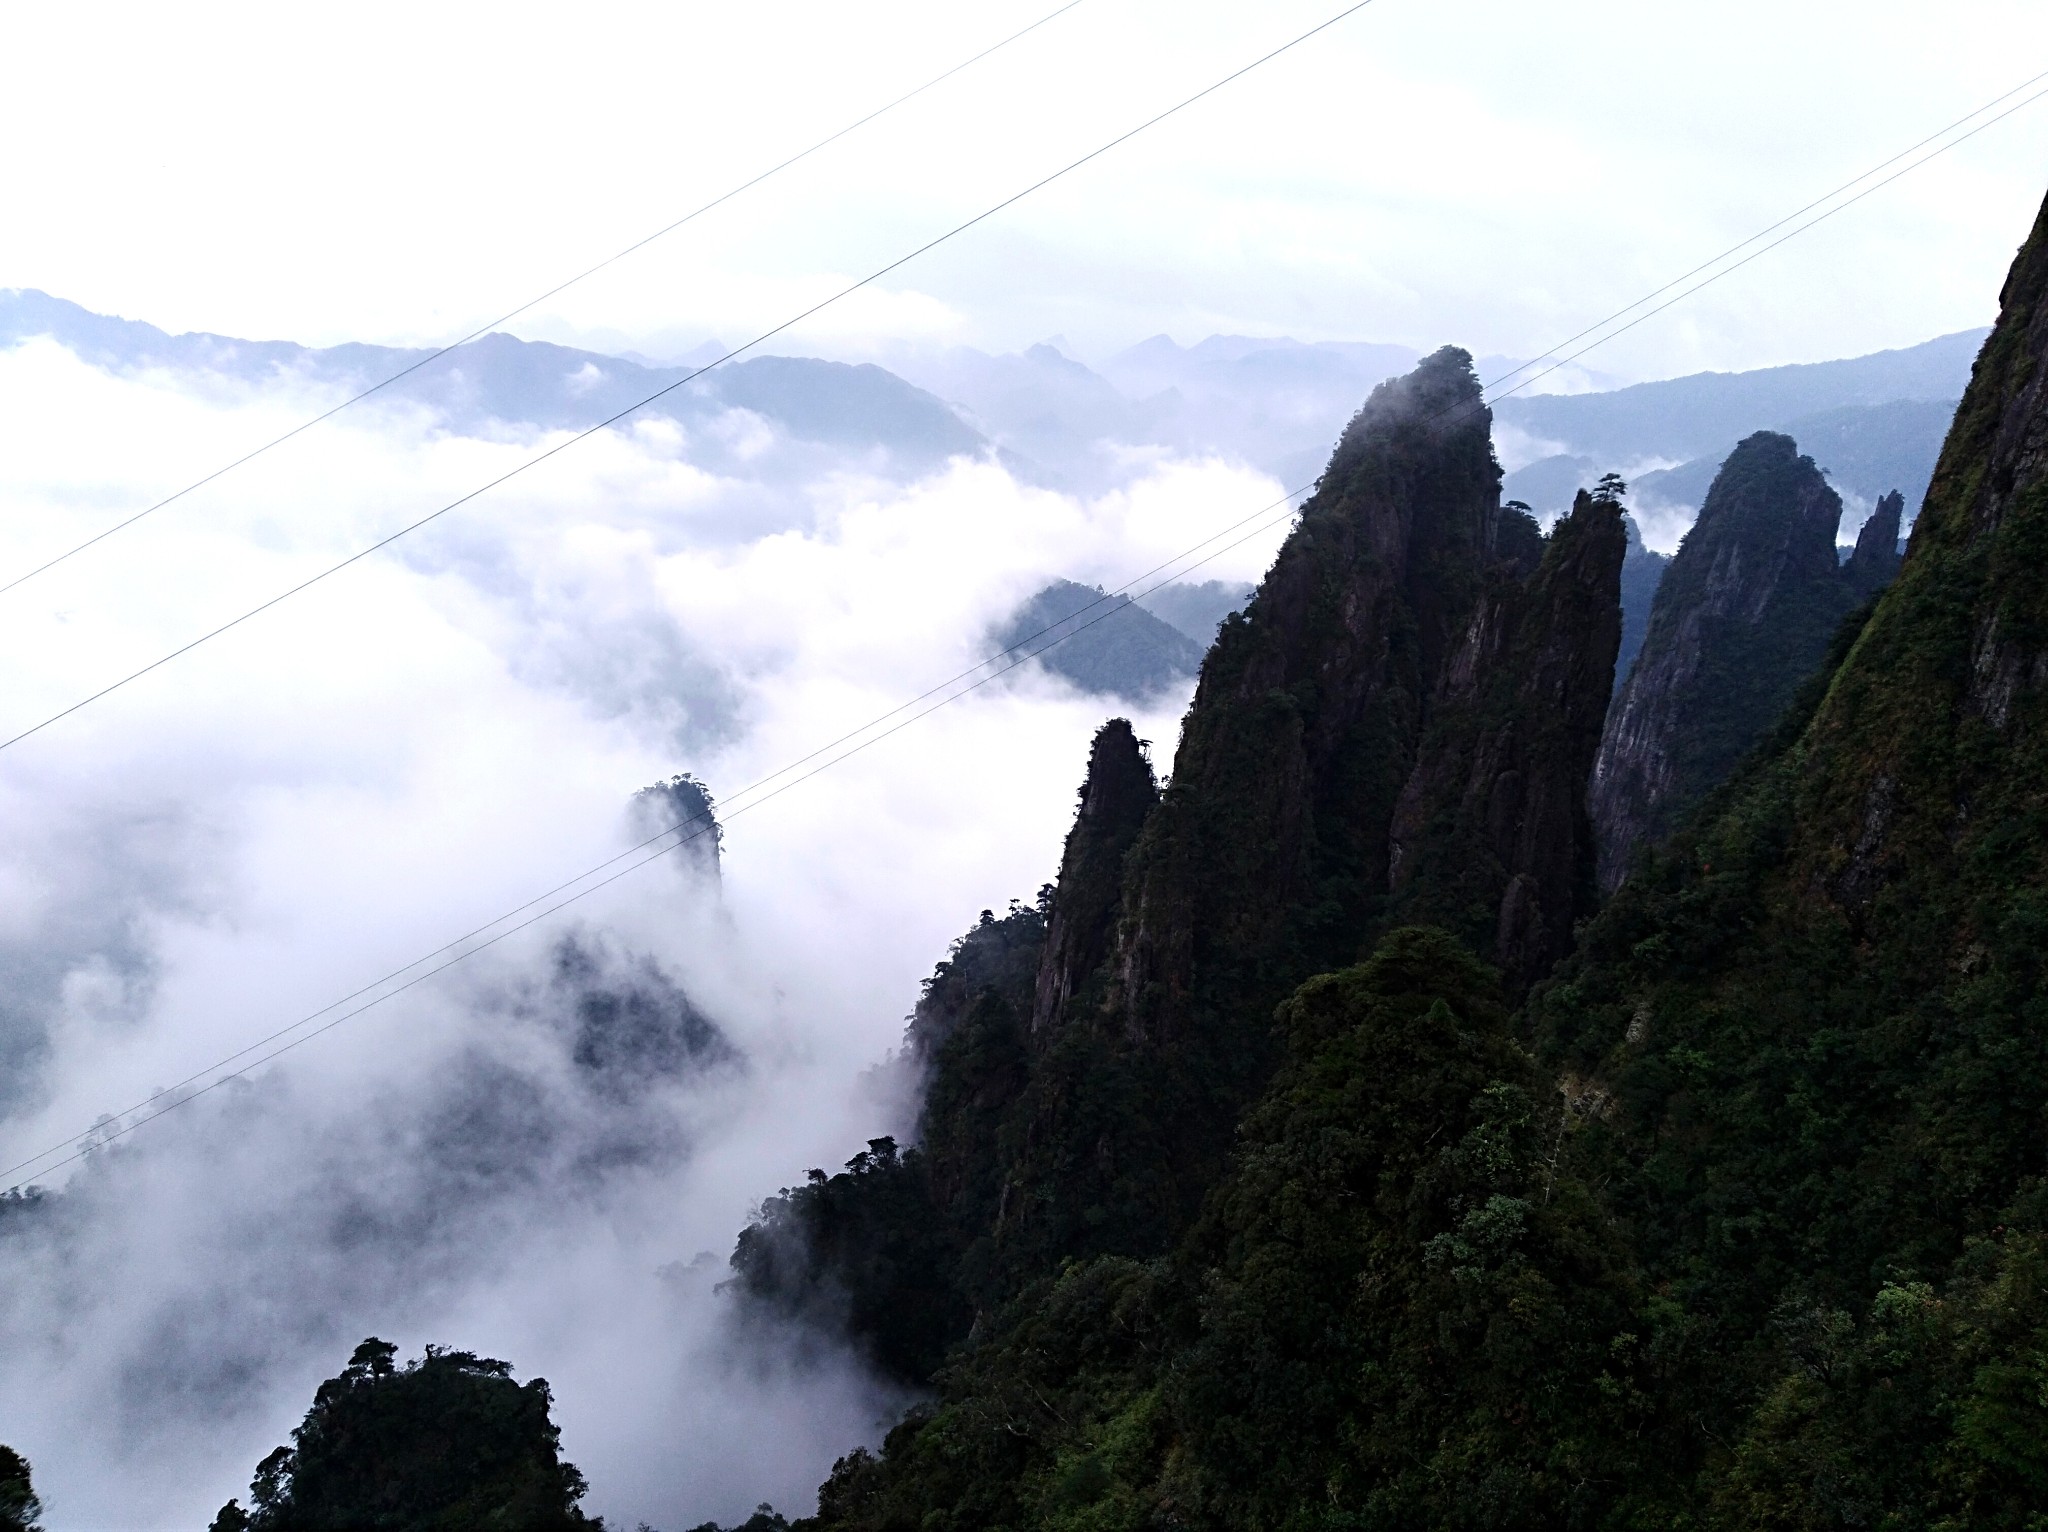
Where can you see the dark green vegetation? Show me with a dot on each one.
(19, 1506)
(445, 1442)
(1095, 1062)
(1290, 1212)
(1318, 1153)
(1104, 644)
(1741, 618)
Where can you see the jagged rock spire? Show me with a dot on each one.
(1267, 856)
(682, 806)
(1116, 796)
(1742, 617)
(1876, 559)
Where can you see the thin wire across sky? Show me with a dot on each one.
(539, 298)
(738, 351)
(966, 682)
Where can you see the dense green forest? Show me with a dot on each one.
(1317, 1153)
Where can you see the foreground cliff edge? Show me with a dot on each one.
(1246, 1200)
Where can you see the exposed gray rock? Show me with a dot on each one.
(1116, 796)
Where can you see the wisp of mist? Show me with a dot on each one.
(544, 1155)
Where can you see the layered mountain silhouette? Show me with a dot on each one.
(1873, 424)
(1108, 645)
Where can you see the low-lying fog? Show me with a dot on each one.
(544, 1154)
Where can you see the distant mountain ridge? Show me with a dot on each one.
(1274, 403)
(501, 378)
(1689, 417)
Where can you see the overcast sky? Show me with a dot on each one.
(1493, 172)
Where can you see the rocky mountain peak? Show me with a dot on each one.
(683, 807)
(1116, 796)
(1741, 618)
(1306, 717)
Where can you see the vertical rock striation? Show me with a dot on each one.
(1742, 617)
(1267, 856)
(1399, 725)
(1491, 838)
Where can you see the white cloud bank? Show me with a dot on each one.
(410, 749)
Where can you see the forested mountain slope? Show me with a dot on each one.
(1819, 1037)
(1280, 1215)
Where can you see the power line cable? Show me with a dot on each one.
(540, 298)
(1004, 663)
(1773, 228)
(766, 335)
(752, 788)
(1755, 254)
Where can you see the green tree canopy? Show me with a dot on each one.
(448, 1441)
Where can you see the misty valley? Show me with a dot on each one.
(1534, 1014)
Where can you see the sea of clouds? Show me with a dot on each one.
(396, 757)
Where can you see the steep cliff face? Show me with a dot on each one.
(1491, 839)
(1400, 726)
(1741, 618)
(1934, 738)
(1267, 855)
(1116, 796)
